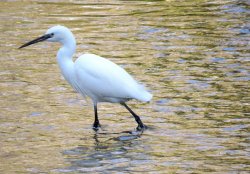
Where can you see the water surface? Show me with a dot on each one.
(192, 55)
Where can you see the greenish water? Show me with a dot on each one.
(193, 56)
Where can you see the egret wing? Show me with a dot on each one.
(101, 78)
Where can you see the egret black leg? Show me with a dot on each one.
(137, 118)
(96, 124)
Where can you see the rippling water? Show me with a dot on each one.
(193, 55)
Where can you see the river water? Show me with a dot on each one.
(193, 55)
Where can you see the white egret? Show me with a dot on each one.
(94, 76)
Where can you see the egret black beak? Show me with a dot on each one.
(40, 39)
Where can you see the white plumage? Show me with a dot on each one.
(94, 76)
(105, 81)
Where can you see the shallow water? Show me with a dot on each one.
(192, 55)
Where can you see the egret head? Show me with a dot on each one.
(54, 34)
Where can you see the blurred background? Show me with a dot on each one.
(193, 55)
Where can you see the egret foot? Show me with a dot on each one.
(141, 127)
(96, 126)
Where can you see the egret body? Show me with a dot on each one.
(94, 76)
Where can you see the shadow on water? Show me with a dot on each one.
(108, 152)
